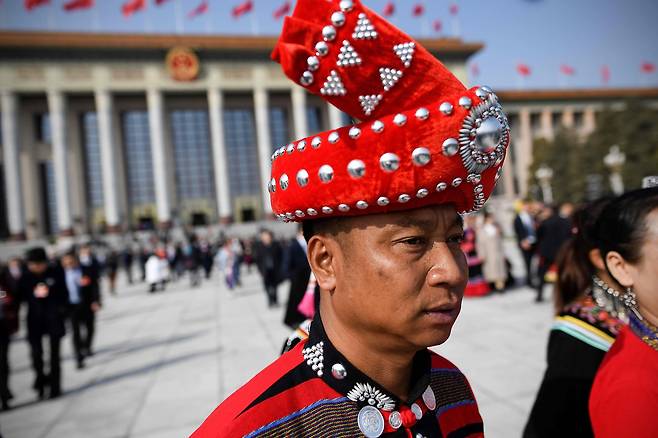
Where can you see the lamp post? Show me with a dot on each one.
(615, 161)
(544, 175)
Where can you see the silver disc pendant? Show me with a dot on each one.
(371, 422)
(429, 399)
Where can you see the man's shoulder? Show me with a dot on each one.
(277, 393)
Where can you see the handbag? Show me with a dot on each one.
(307, 305)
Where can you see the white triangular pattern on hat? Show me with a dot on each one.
(348, 57)
(389, 77)
(405, 52)
(370, 102)
(364, 29)
(334, 85)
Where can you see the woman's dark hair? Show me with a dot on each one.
(574, 267)
(622, 225)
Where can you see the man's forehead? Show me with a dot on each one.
(427, 217)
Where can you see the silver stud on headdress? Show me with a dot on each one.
(383, 201)
(405, 52)
(400, 119)
(446, 108)
(326, 173)
(302, 178)
(389, 77)
(329, 33)
(283, 181)
(422, 113)
(338, 18)
(321, 48)
(421, 156)
(450, 147)
(404, 198)
(348, 57)
(389, 162)
(361, 205)
(356, 169)
(316, 142)
(354, 132)
(364, 29)
(334, 85)
(369, 103)
(377, 126)
(333, 137)
(306, 79)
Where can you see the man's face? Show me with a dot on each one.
(402, 274)
(69, 262)
(37, 268)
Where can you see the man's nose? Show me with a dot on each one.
(449, 268)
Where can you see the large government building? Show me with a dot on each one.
(108, 133)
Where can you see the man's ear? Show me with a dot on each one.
(619, 268)
(322, 252)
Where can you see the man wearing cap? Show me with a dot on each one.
(380, 204)
(43, 288)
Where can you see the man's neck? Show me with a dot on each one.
(391, 368)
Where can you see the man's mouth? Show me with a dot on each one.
(444, 314)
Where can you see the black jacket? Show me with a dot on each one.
(45, 315)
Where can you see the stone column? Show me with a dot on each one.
(298, 97)
(104, 112)
(568, 118)
(216, 111)
(161, 180)
(547, 127)
(57, 110)
(12, 168)
(589, 121)
(335, 117)
(523, 151)
(261, 109)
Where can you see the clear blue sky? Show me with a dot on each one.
(541, 33)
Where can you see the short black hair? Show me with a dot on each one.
(622, 226)
(321, 226)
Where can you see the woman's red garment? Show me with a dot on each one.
(624, 398)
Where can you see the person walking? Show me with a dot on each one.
(490, 249)
(298, 272)
(551, 235)
(526, 238)
(9, 277)
(84, 302)
(43, 288)
(268, 256)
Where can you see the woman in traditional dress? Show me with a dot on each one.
(624, 398)
(588, 318)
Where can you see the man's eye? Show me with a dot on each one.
(414, 241)
(457, 238)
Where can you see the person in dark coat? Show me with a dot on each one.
(298, 271)
(551, 234)
(127, 262)
(9, 277)
(43, 288)
(526, 238)
(268, 256)
(84, 302)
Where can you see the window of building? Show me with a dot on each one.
(139, 162)
(49, 197)
(42, 128)
(194, 171)
(314, 119)
(578, 120)
(92, 152)
(241, 152)
(556, 121)
(535, 123)
(279, 132)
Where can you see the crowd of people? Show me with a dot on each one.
(62, 290)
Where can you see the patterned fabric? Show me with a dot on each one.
(313, 392)
(587, 321)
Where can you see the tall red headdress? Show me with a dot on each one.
(424, 138)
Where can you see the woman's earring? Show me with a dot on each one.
(630, 301)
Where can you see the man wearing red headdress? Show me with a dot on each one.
(380, 204)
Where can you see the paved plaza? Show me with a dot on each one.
(164, 361)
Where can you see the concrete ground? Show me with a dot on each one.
(164, 361)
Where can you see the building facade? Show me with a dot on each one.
(109, 133)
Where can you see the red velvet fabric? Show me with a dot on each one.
(425, 83)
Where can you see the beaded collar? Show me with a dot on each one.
(646, 331)
(379, 410)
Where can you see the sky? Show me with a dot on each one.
(544, 34)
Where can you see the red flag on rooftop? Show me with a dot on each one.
(648, 67)
(389, 9)
(31, 4)
(160, 2)
(454, 9)
(243, 8)
(201, 9)
(132, 6)
(523, 69)
(74, 5)
(282, 11)
(437, 25)
(567, 70)
(605, 74)
(418, 10)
